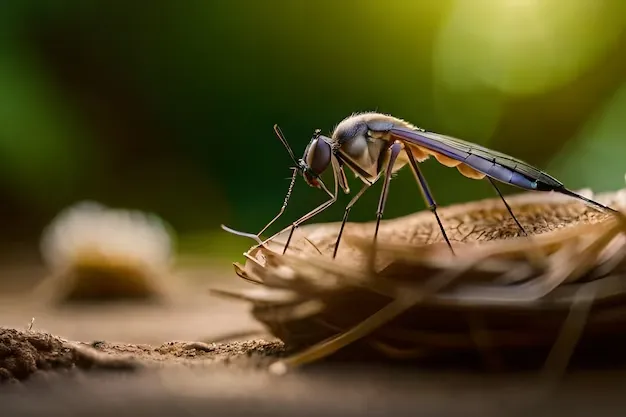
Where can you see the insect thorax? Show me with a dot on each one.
(362, 138)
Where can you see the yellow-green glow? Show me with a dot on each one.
(471, 114)
(523, 47)
(598, 155)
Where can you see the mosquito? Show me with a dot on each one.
(375, 145)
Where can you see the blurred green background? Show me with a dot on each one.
(168, 106)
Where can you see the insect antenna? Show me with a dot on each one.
(282, 138)
(284, 206)
(296, 169)
(256, 237)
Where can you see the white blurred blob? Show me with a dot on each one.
(621, 198)
(88, 229)
(524, 47)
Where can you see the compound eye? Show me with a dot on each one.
(318, 155)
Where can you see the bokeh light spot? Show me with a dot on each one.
(525, 47)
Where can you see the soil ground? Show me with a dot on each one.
(133, 359)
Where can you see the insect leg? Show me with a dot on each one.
(257, 236)
(345, 215)
(243, 234)
(394, 152)
(595, 204)
(313, 213)
(324, 206)
(428, 197)
(493, 183)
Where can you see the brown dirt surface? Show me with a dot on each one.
(24, 353)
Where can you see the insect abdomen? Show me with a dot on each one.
(500, 172)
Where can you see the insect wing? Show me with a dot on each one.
(463, 151)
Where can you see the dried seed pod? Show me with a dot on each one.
(501, 292)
